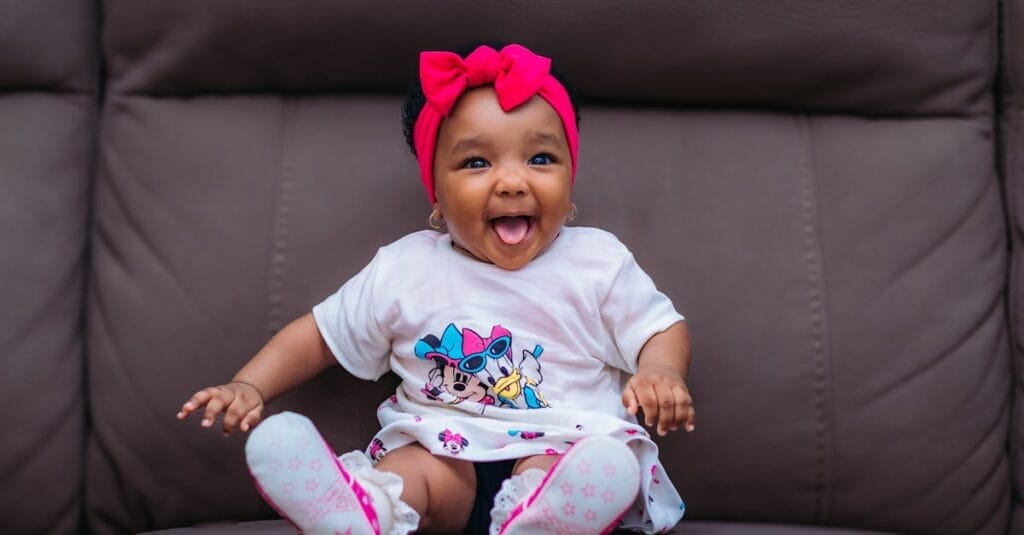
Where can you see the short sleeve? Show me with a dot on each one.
(634, 311)
(350, 327)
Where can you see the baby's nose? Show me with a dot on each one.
(511, 182)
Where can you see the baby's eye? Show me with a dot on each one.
(542, 159)
(474, 163)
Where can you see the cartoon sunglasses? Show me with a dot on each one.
(474, 362)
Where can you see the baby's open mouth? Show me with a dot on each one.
(512, 230)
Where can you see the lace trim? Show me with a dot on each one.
(513, 490)
(404, 519)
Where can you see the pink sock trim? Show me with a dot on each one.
(361, 496)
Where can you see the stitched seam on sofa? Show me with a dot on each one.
(815, 285)
(282, 214)
(1012, 134)
(1000, 125)
(1014, 171)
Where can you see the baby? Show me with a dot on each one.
(513, 335)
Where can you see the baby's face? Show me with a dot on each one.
(502, 180)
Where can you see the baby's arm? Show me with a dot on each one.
(659, 387)
(294, 355)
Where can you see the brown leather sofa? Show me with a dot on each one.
(828, 191)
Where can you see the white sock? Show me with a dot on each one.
(586, 491)
(301, 478)
(514, 490)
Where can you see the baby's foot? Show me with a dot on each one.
(586, 492)
(298, 475)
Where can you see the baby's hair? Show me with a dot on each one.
(415, 100)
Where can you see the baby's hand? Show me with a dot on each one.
(240, 402)
(663, 396)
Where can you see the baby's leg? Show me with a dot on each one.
(540, 462)
(440, 489)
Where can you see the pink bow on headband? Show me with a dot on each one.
(517, 74)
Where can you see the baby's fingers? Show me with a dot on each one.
(216, 406)
(251, 419)
(668, 411)
(684, 412)
(238, 411)
(199, 399)
(648, 400)
(629, 400)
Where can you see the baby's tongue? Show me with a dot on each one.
(511, 230)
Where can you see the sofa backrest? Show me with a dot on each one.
(49, 66)
(814, 184)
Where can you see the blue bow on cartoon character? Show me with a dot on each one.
(444, 351)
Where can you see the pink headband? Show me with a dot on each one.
(517, 75)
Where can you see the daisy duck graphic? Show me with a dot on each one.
(485, 370)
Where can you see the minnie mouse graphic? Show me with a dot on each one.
(454, 443)
(377, 450)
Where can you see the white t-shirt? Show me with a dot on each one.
(498, 364)
(570, 321)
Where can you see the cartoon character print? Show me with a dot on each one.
(453, 443)
(467, 362)
(516, 385)
(377, 450)
(457, 384)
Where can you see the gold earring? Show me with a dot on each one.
(435, 220)
(572, 212)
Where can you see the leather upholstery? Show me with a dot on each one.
(823, 189)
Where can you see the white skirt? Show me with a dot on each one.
(513, 434)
